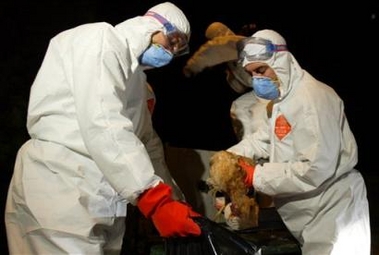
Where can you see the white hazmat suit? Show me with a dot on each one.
(92, 148)
(312, 154)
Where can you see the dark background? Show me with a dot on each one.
(337, 44)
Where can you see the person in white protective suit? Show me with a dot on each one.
(93, 149)
(312, 152)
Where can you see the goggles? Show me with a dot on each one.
(178, 41)
(257, 49)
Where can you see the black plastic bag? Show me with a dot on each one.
(214, 240)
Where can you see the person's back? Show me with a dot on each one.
(52, 115)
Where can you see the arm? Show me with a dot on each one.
(316, 155)
(99, 85)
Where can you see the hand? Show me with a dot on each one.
(170, 217)
(249, 170)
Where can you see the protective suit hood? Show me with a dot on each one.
(284, 63)
(141, 28)
(174, 15)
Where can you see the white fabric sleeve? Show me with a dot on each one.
(100, 82)
(255, 145)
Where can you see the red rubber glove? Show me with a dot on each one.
(249, 170)
(170, 217)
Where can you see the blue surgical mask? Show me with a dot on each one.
(156, 56)
(265, 87)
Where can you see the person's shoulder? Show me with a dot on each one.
(314, 84)
(312, 90)
(95, 26)
(89, 35)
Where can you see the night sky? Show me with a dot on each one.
(337, 45)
